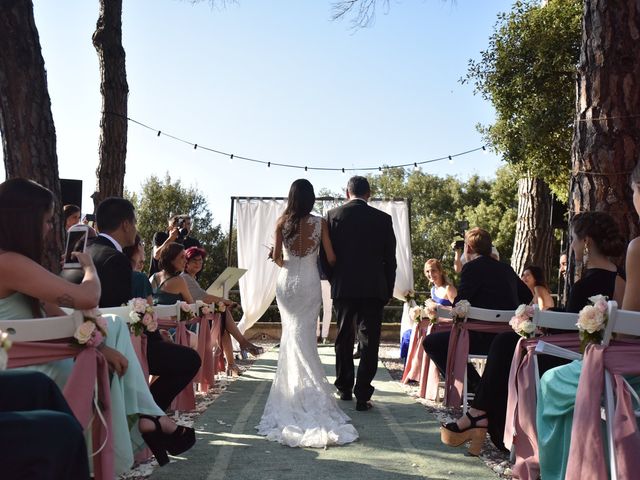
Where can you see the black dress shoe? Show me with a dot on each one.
(363, 406)
(347, 396)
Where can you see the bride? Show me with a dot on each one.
(301, 410)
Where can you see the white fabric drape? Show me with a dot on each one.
(256, 225)
(256, 220)
(399, 211)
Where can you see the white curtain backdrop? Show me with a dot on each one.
(256, 225)
(399, 211)
(256, 220)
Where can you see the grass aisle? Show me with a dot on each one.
(398, 439)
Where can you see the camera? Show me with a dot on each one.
(182, 230)
(461, 226)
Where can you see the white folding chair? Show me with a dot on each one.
(40, 329)
(485, 315)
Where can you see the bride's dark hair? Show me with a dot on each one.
(299, 204)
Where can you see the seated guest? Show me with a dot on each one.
(442, 290)
(489, 406)
(71, 216)
(195, 259)
(140, 286)
(178, 230)
(533, 277)
(596, 240)
(174, 365)
(28, 207)
(168, 285)
(485, 283)
(40, 438)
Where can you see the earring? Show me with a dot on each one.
(585, 256)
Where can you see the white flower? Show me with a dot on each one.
(591, 319)
(430, 309)
(205, 309)
(5, 342)
(200, 304)
(415, 313)
(528, 327)
(134, 316)
(598, 298)
(138, 305)
(461, 309)
(185, 307)
(520, 311)
(84, 332)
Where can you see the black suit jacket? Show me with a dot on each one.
(365, 247)
(488, 283)
(114, 270)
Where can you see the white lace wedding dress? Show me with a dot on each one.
(301, 410)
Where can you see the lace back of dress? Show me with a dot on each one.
(306, 240)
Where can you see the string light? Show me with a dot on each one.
(306, 168)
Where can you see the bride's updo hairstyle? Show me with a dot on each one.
(23, 205)
(299, 205)
(602, 229)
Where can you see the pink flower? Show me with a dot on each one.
(96, 339)
(185, 307)
(138, 305)
(84, 332)
(222, 307)
(102, 323)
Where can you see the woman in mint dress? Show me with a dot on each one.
(27, 290)
(596, 233)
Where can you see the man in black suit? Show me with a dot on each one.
(361, 285)
(484, 283)
(174, 365)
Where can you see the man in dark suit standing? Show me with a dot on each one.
(361, 285)
(174, 365)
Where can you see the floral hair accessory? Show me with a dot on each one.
(92, 331)
(592, 320)
(522, 322)
(142, 317)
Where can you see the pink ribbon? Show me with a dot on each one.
(587, 458)
(90, 367)
(140, 347)
(520, 425)
(186, 399)
(419, 366)
(458, 353)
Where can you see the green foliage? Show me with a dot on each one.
(528, 73)
(438, 204)
(158, 200)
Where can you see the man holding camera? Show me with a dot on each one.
(177, 232)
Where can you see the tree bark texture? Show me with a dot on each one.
(107, 40)
(26, 122)
(606, 142)
(534, 233)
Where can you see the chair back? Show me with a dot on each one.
(486, 315)
(624, 322)
(551, 319)
(445, 312)
(39, 329)
(122, 312)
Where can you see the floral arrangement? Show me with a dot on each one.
(461, 310)
(5, 345)
(92, 331)
(430, 311)
(142, 317)
(522, 322)
(592, 320)
(220, 307)
(186, 313)
(203, 308)
(409, 296)
(415, 313)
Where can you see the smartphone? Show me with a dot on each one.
(76, 242)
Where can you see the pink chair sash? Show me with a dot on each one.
(587, 458)
(458, 353)
(140, 347)
(419, 366)
(90, 368)
(520, 425)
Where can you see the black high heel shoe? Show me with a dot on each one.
(176, 442)
(452, 435)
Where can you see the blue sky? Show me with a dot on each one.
(278, 81)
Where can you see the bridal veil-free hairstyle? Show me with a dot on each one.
(299, 204)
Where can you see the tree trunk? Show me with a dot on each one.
(107, 40)
(26, 122)
(533, 240)
(606, 141)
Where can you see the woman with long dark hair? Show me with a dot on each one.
(27, 290)
(533, 277)
(301, 410)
